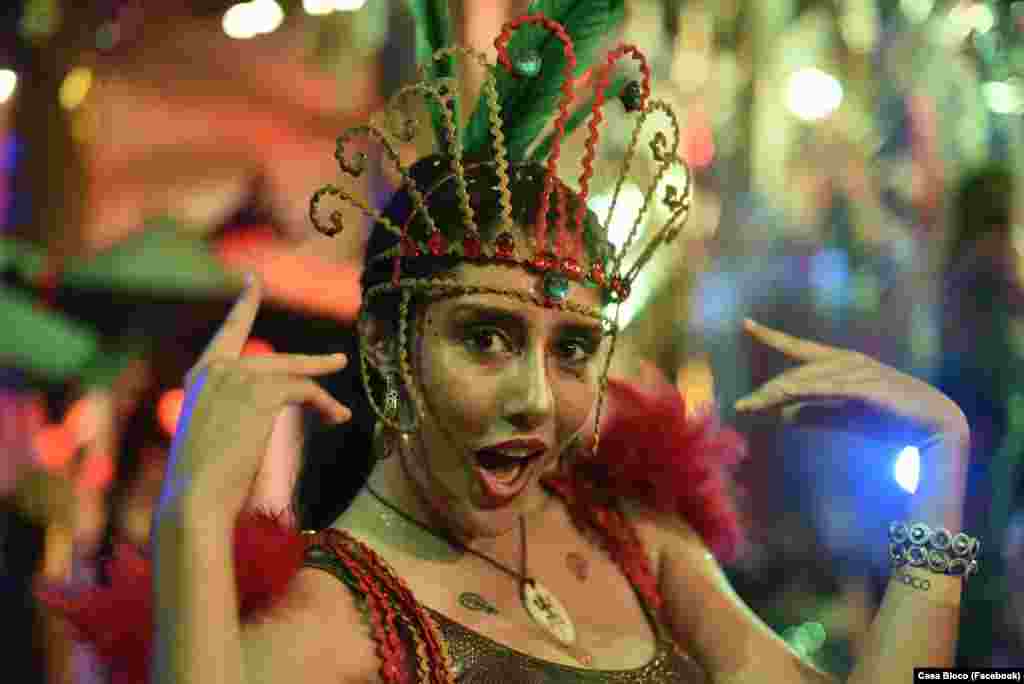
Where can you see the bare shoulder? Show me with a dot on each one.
(316, 633)
(737, 646)
(659, 531)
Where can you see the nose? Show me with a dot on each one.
(529, 400)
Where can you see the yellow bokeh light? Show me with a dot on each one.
(696, 382)
(75, 87)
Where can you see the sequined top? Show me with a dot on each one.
(414, 639)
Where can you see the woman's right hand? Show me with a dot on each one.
(231, 403)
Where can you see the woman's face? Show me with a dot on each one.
(491, 369)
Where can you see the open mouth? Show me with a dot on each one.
(503, 475)
(505, 467)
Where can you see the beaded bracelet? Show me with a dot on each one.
(920, 546)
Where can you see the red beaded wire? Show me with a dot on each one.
(376, 604)
(568, 94)
(377, 582)
(596, 116)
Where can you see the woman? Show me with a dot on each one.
(497, 537)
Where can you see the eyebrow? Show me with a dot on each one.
(497, 315)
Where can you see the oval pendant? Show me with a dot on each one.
(547, 611)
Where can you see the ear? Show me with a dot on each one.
(380, 342)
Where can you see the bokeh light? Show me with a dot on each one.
(917, 11)
(1004, 97)
(321, 7)
(97, 471)
(627, 207)
(75, 87)
(812, 94)
(8, 84)
(249, 19)
(168, 410)
(907, 469)
(83, 419)
(257, 347)
(54, 446)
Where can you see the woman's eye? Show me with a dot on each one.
(577, 351)
(486, 342)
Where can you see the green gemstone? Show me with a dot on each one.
(556, 286)
(527, 63)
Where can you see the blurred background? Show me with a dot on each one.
(856, 168)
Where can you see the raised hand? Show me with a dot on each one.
(837, 377)
(228, 415)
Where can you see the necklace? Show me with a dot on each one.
(540, 603)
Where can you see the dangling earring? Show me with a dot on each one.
(390, 396)
(381, 448)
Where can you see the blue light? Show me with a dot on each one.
(907, 469)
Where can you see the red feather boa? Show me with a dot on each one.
(650, 451)
(118, 619)
(653, 452)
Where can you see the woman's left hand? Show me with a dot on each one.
(829, 375)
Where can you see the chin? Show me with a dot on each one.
(495, 522)
(489, 524)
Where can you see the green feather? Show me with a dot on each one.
(612, 92)
(104, 368)
(433, 32)
(159, 260)
(47, 344)
(529, 104)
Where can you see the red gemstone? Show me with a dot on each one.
(471, 246)
(544, 261)
(505, 246)
(571, 268)
(437, 243)
(620, 288)
(409, 248)
(597, 275)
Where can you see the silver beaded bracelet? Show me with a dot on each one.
(920, 546)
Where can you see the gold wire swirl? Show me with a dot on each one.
(441, 91)
(490, 90)
(603, 386)
(664, 158)
(403, 354)
(677, 221)
(679, 204)
(408, 183)
(455, 147)
(336, 225)
(357, 165)
(405, 128)
(680, 207)
(666, 235)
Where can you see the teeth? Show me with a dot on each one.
(508, 473)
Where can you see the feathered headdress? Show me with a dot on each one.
(544, 57)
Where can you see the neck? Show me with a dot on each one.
(393, 480)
